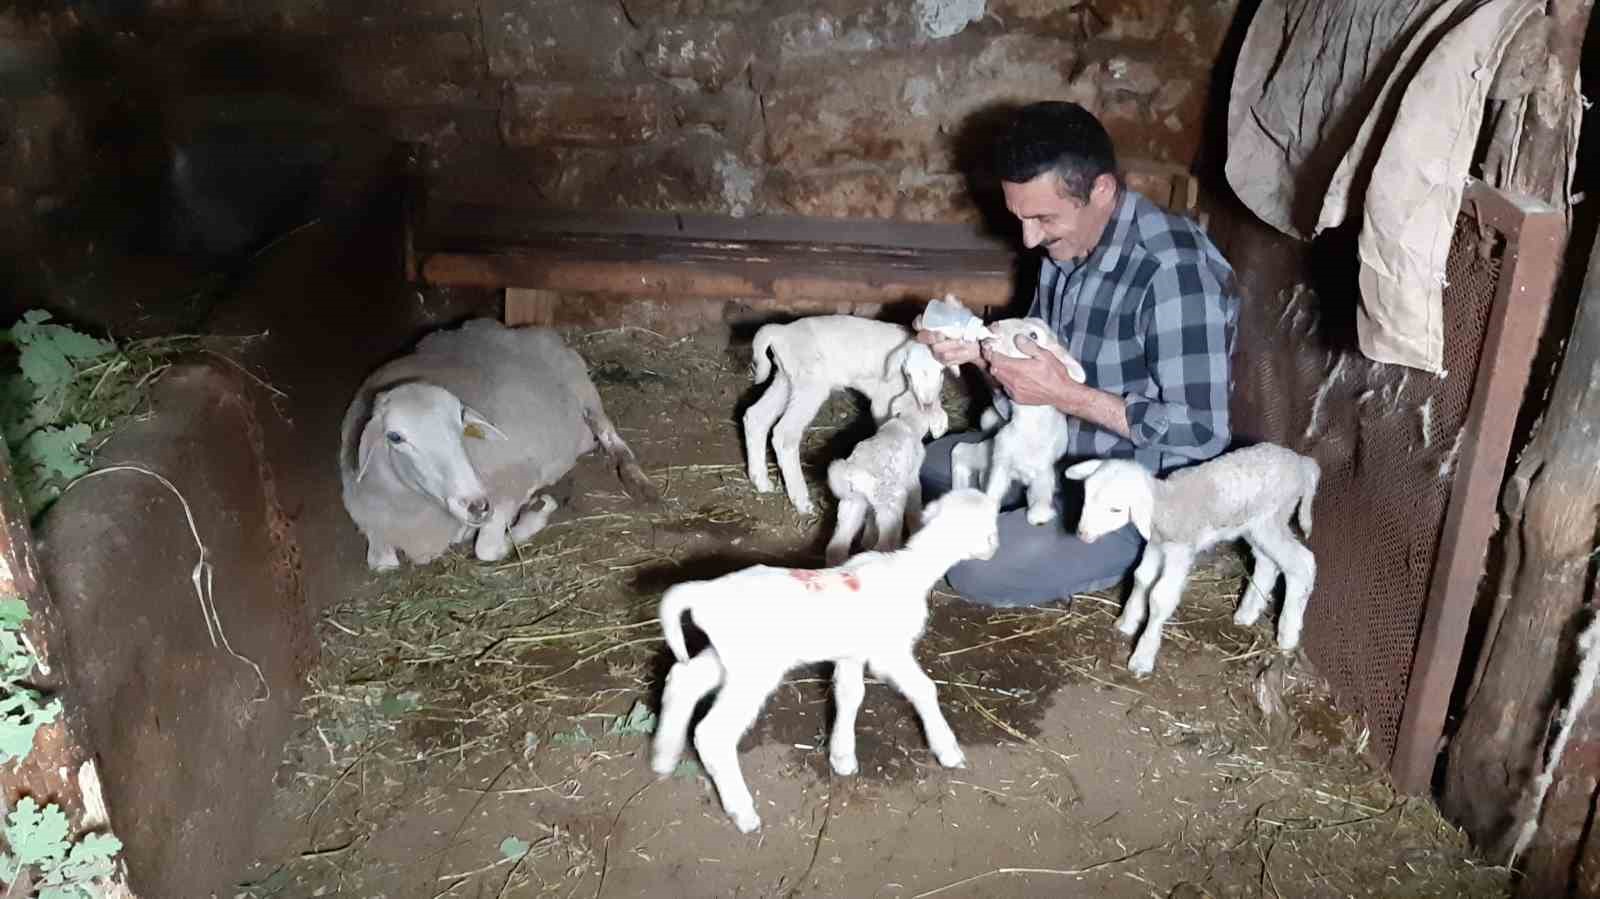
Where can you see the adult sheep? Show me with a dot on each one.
(456, 437)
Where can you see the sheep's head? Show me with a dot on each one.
(1115, 492)
(924, 378)
(963, 519)
(419, 430)
(1006, 331)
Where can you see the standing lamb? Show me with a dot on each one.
(763, 621)
(1250, 493)
(457, 437)
(1028, 446)
(816, 356)
(880, 474)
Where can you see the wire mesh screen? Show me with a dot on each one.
(1389, 440)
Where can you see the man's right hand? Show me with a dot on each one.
(952, 352)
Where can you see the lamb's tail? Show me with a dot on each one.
(760, 363)
(1311, 474)
(633, 477)
(674, 603)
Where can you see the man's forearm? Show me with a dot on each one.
(1100, 408)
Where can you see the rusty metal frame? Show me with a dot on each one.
(1535, 236)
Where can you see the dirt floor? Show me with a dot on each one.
(481, 730)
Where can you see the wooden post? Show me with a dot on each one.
(1550, 506)
(526, 306)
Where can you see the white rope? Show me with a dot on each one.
(200, 575)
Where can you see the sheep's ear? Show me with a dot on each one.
(897, 360)
(1141, 512)
(1075, 369)
(1083, 469)
(473, 424)
(371, 439)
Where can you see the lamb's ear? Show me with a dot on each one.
(1140, 510)
(1081, 470)
(371, 439)
(897, 360)
(1075, 369)
(473, 424)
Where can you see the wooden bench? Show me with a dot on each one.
(538, 256)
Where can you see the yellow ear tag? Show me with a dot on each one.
(473, 430)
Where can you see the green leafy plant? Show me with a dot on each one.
(38, 838)
(68, 387)
(22, 709)
(639, 721)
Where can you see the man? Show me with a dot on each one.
(1144, 300)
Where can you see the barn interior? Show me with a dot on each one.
(225, 214)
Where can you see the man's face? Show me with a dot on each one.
(1066, 227)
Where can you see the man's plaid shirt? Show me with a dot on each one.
(1151, 314)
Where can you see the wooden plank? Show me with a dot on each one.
(669, 280)
(527, 306)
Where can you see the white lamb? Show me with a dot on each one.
(763, 621)
(1034, 438)
(816, 356)
(454, 440)
(1250, 493)
(880, 474)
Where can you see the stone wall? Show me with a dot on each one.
(838, 107)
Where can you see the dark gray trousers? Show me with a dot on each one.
(1035, 563)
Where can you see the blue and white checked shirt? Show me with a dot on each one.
(1151, 314)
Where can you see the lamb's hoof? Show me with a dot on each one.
(747, 822)
(383, 561)
(952, 758)
(1289, 644)
(493, 552)
(1127, 626)
(663, 766)
(1246, 617)
(1044, 516)
(762, 484)
(802, 507)
(1141, 667)
(842, 766)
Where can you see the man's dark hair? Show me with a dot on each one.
(1058, 136)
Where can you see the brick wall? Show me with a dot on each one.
(838, 107)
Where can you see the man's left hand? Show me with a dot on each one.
(1038, 380)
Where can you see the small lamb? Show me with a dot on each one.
(816, 356)
(881, 474)
(763, 621)
(1028, 446)
(1250, 493)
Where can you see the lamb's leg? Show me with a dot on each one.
(998, 478)
(804, 402)
(913, 516)
(1263, 577)
(1143, 576)
(1042, 495)
(532, 520)
(889, 518)
(381, 556)
(852, 513)
(758, 421)
(848, 691)
(687, 682)
(717, 741)
(1164, 596)
(493, 544)
(901, 670)
(1299, 574)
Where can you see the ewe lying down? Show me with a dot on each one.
(457, 437)
(763, 621)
